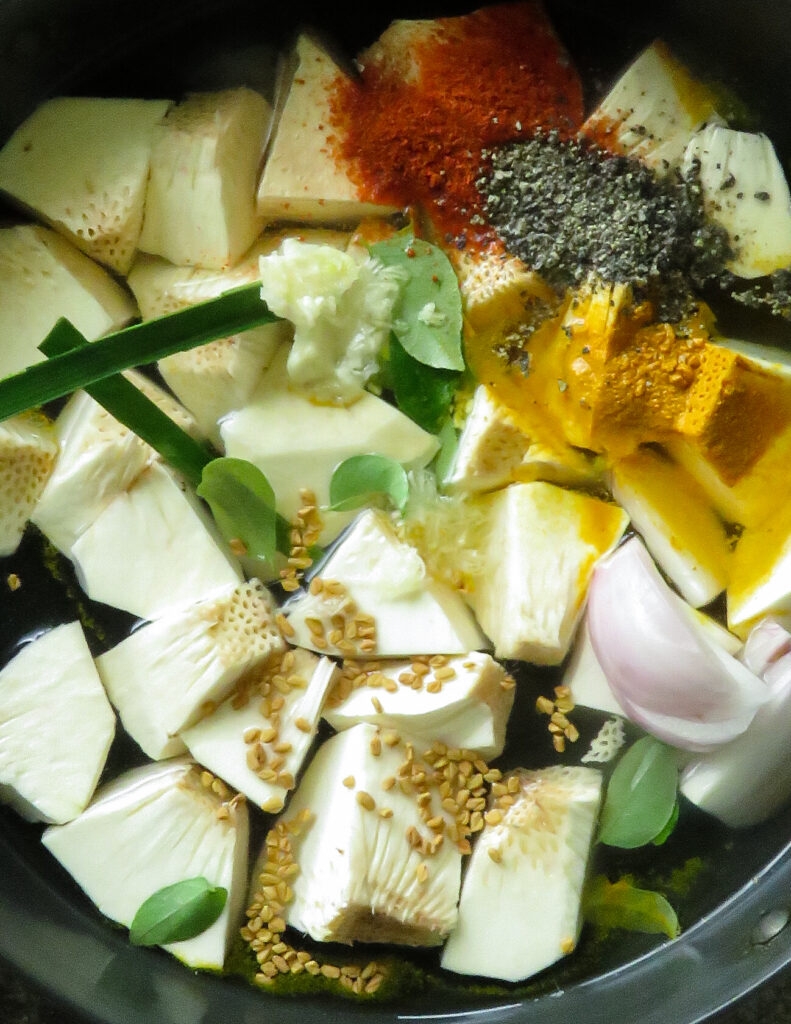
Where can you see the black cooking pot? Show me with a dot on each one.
(737, 902)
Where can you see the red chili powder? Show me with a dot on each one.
(415, 136)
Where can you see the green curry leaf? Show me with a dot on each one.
(177, 912)
(422, 392)
(427, 316)
(640, 796)
(243, 505)
(622, 905)
(361, 478)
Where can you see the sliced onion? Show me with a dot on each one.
(664, 670)
(767, 642)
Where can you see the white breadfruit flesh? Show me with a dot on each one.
(652, 110)
(767, 357)
(585, 677)
(760, 582)
(297, 443)
(674, 516)
(170, 672)
(56, 726)
(607, 743)
(153, 827)
(159, 528)
(367, 872)
(540, 548)
(462, 701)
(99, 459)
(499, 289)
(494, 451)
(373, 598)
(81, 164)
(42, 278)
(28, 450)
(259, 737)
(744, 191)
(303, 179)
(520, 906)
(200, 207)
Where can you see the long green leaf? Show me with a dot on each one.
(237, 310)
(137, 412)
(178, 912)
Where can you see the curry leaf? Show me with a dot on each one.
(243, 505)
(362, 477)
(177, 912)
(427, 315)
(640, 795)
(422, 392)
(667, 831)
(622, 905)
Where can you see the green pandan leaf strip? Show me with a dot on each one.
(640, 795)
(423, 393)
(230, 313)
(622, 905)
(364, 478)
(178, 912)
(243, 505)
(137, 412)
(670, 826)
(427, 317)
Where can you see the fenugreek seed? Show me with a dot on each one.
(251, 735)
(493, 775)
(252, 759)
(513, 784)
(369, 970)
(277, 924)
(418, 683)
(438, 661)
(347, 983)
(450, 806)
(314, 625)
(407, 678)
(365, 800)
(476, 821)
(367, 645)
(335, 637)
(289, 585)
(567, 945)
(267, 774)
(350, 631)
(284, 625)
(296, 682)
(345, 647)
(437, 823)
(318, 641)
(559, 743)
(422, 872)
(303, 956)
(330, 971)
(297, 967)
(435, 686)
(374, 984)
(268, 970)
(286, 780)
(495, 854)
(272, 805)
(545, 706)
(464, 847)
(445, 673)
(559, 719)
(277, 703)
(302, 724)
(277, 763)
(385, 812)
(281, 964)
(312, 967)
(571, 733)
(493, 817)
(376, 746)
(377, 705)
(316, 586)
(420, 668)
(283, 747)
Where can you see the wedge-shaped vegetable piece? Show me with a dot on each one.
(462, 701)
(28, 449)
(360, 878)
(680, 528)
(56, 726)
(748, 780)
(250, 730)
(378, 583)
(159, 528)
(200, 201)
(540, 550)
(81, 164)
(760, 581)
(163, 676)
(498, 290)
(99, 459)
(303, 179)
(520, 907)
(652, 110)
(298, 443)
(43, 277)
(494, 451)
(746, 192)
(153, 827)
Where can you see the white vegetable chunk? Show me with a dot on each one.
(359, 878)
(298, 443)
(81, 164)
(303, 179)
(158, 527)
(42, 278)
(539, 552)
(746, 192)
(164, 675)
(28, 450)
(238, 741)
(652, 109)
(585, 677)
(748, 780)
(520, 903)
(404, 611)
(464, 702)
(56, 726)
(200, 203)
(153, 827)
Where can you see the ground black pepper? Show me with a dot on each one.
(570, 210)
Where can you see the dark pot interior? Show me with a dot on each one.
(46, 927)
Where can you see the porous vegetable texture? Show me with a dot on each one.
(200, 200)
(44, 277)
(56, 726)
(150, 828)
(165, 676)
(28, 450)
(81, 164)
